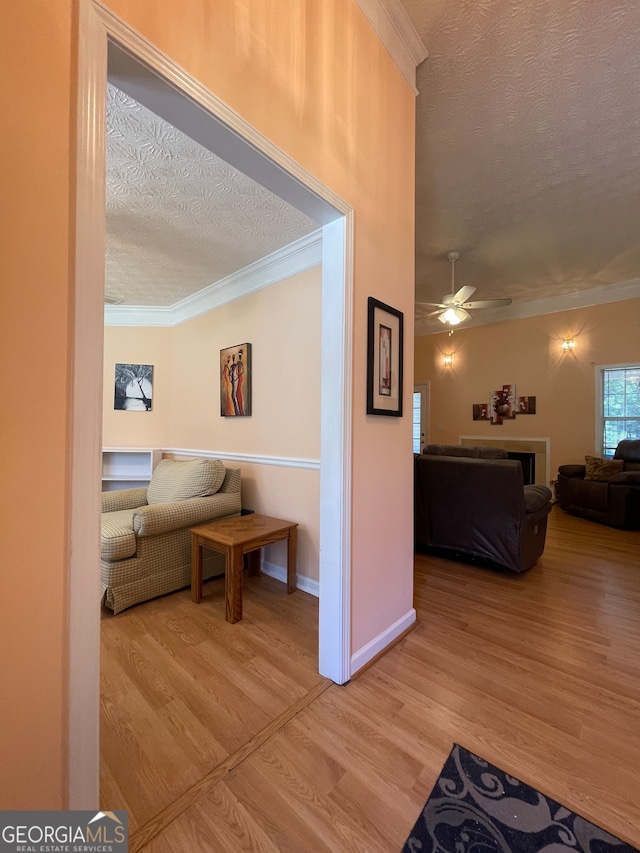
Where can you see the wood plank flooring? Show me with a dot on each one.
(538, 673)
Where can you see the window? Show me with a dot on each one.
(416, 422)
(619, 403)
(420, 416)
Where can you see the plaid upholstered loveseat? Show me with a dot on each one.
(145, 548)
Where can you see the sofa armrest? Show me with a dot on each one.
(123, 499)
(572, 470)
(536, 497)
(176, 515)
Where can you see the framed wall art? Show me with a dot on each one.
(384, 359)
(133, 390)
(235, 381)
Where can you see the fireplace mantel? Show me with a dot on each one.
(540, 446)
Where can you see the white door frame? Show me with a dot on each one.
(98, 27)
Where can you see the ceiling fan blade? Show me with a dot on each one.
(429, 313)
(463, 294)
(486, 303)
(433, 304)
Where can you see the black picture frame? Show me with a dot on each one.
(385, 353)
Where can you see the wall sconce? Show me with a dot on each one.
(568, 344)
(448, 359)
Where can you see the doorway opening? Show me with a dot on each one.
(105, 40)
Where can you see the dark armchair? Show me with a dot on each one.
(478, 508)
(611, 497)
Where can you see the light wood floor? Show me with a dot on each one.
(221, 737)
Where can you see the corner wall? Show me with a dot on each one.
(528, 353)
(314, 79)
(36, 159)
(282, 324)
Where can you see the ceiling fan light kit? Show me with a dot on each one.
(453, 309)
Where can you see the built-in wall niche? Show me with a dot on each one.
(128, 467)
(541, 447)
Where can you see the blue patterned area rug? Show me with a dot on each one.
(477, 808)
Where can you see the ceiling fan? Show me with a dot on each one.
(453, 308)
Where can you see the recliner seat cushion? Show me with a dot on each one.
(626, 478)
(176, 480)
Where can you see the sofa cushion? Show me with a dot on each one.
(626, 478)
(602, 470)
(117, 539)
(629, 451)
(176, 480)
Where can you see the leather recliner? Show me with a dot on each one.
(470, 506)
(615, 502)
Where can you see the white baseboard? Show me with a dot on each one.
(280, 574)
(382, 641)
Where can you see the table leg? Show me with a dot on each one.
(254, 561)
(292, 548)
(196, 570)
(233, 583)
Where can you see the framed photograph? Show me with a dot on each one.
(133, 390)
(235, 381)
(384, 359)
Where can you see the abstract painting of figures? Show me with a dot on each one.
(384, 361)
(133, 387)
(235, 381)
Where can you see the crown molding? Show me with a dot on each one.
(551, 305)
(297, 257)
(394, 28)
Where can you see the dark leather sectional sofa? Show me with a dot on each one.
(470, 502)
(615, 502)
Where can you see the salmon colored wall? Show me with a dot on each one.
(35, 358)
(282, 324)
(315, 80)
(527, 352)
(291, 493)
(146, 345)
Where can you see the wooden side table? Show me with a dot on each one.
(235, 537)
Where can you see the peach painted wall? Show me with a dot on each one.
(282, 324)
(35, 334)
(146, 345)
(527, 352)
(315, 80)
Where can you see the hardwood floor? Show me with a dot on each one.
(538, 673)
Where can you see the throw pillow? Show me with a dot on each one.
(602, 469)
(174, 480)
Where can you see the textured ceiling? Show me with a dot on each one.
(527, 161)
(179, 218)
(528, 146)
